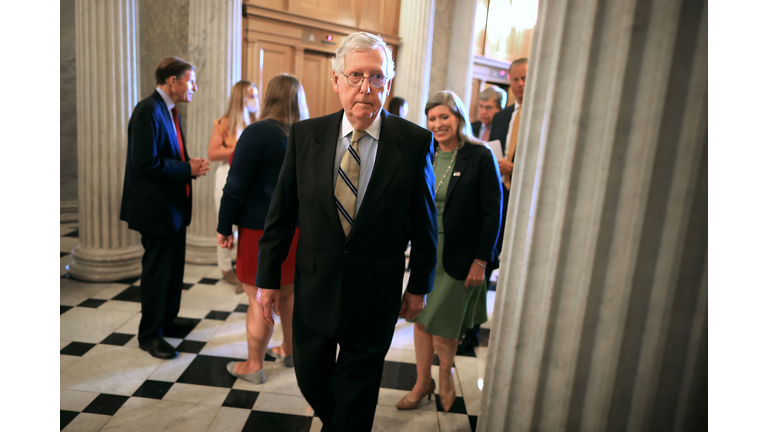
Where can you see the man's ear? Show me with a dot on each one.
(389, 87)
(335, 82)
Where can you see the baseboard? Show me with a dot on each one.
(69, 211)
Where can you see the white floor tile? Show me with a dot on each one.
(110, 291)
(229, 419)
(73, 292)
(91, 325)
(197, 394)
(109, 369)
(66, 361)
(144, 415)
(119, 305)
(212, 297)
(450, 422)
(389, 419)
(74, 400)
(85, 422)
(171, 370)
(281, 403)
(204, 330)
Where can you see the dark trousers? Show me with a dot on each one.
(162, 271)
(342, 392)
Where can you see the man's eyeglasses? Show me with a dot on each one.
(355, 79)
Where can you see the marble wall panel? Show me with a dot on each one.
(67, 104)
(441, 45)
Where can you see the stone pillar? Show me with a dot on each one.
(215, 35)
(600, 322)
(414, 56)
(461, 57)
(107, 84)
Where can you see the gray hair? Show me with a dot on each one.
(454, 103)
(362, 41)
(494, 93)
(520, 61)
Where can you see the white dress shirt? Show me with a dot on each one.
(167, 99)
(366, 147)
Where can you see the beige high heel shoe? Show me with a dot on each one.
(448, 399)
(406, 404)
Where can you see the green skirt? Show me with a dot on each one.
(450, 305)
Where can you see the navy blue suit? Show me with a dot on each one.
(155, 204)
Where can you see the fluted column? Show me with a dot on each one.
(600, 322)
(107, 84)
(414, 55)
(215, 33)
(461, 55)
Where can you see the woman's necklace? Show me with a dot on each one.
(450, 167)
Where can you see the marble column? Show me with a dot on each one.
(107, 86)
(414, 56)
(600, 321)
(461, 57)
(215, 35)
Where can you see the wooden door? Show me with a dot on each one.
(316, 79)
(342, 12)
(265, 60)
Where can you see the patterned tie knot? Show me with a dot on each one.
(356, 135)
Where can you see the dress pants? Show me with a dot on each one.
(343, 392)
(162, 272)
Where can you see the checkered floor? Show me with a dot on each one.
(109, 384)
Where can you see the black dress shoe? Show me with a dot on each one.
(179, 328)
(159, 348)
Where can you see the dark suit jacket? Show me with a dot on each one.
(472, 213)
(252, 176)
(500, 126)
(476, 128)
(154, 192)
(355, 281)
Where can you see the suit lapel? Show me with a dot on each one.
(169, 125)
(387, 160)
(323, 156)
(462, 161)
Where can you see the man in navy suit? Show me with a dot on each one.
(490, 101)
(350, 258)
(157, 201)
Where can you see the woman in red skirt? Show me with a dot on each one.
(254, 168)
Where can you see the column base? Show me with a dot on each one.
(201, 250)
(99, 265)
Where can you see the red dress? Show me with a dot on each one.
(248, 257)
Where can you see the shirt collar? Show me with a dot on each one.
(373, 130)
(166, 99)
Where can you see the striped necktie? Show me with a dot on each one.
(346, 183)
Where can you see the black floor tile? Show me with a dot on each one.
(241, 308)
(485, 334)
(210, 371)
(275, 422)
(74, 234)
(208, 281)
(153, 389)
(63, 254)
(77, 348)
(457, 407)
(119, 339)
(63, 309)
(218, 315)
(241, 399)
(467, 353)
(473, 422)
(128, 281)
(131, 294)
(92, 303)
(397, 375)
(184, 327)
(65, 417)
(106, 404)
(186, 286)
(192, 347)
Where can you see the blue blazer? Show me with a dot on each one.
(154, 192)
(252, 176)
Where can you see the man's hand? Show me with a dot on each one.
(265, 299)
(225, 241)
(505, 166)
(199, 167)
(476, 275)
(412, 305)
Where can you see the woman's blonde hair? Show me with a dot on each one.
(454, 103)
(237, 109)
(285, 101)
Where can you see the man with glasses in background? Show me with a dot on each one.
(361, 183)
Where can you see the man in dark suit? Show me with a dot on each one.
(361, 183)
(157, 201)
(490, 101)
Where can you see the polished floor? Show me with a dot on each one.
(108, 384)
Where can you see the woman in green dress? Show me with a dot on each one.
(468, 201)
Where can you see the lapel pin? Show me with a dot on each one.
(456, 173)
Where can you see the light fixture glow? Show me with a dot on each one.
(480, 383)
(524, 13)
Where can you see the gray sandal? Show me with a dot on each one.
(257, 377)
(287, 360)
